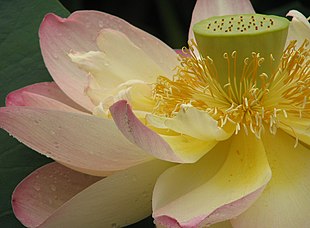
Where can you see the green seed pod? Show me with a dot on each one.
(237, 37)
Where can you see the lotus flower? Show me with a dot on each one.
(218, 135)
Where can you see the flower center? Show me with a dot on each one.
(235, 86)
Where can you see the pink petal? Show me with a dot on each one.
(59, 36)
(45, 190)
(116, 201)
(220, 186)
(209, 8)
(137, 133)
(45, 95)
(89, 143)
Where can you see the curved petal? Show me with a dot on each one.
(285, 202)
(225, 224)
(169, 147)
(59, 36)
(45, 190)
(137, 133)
(118, 60)
(116, 201)
(75, 139)
(209, 8)
(45, 95)
(197, 124)
(218, 187)
(299, 27)
(140, 97)
(190, 149)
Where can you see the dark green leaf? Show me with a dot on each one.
(21, 64)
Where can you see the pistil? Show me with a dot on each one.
(242, 35)
(242, 96)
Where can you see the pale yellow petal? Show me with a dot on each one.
(218, 187)
(117, 61)
(198, 124)
(189, 148)
(140, 97)
(285, 202)
(299, 128)
(225, 224)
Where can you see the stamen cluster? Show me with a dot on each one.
(250, 99)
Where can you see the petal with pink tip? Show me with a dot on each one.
(299, 27)
(79, 140)
(137, 133)
(220, 186)
(59, 36)
(45, 95)
(209, 8)
(285, 202)
(115, 201)
(45, 190)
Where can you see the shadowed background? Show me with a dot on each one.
(169, 19)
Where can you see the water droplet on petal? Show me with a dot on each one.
(100, 24)
(37, 187)
(56, 145)
(55, 56)
(53, 187)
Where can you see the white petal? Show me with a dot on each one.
(209, 8)
(299, 28)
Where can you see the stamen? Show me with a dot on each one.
(246, 103)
